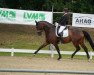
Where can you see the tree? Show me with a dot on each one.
(39, 4)
(12, 4)
(86, 6)
(2, 4)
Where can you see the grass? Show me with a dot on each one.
(25, 37)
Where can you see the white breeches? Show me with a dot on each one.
(61, 29)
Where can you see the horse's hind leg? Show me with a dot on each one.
(43, 45)
(85, 49)
(77, 49)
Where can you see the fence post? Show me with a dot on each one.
(52, 13)
(52, 48)
(90, 54)
(12, 52)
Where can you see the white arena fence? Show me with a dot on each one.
(48, 71)
(52, 52)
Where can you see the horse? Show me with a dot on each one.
(76, 36)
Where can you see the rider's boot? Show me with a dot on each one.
(61, 37)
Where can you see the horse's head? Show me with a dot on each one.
(40, 27)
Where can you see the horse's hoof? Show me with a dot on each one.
(59, 59)
(88, 60)
(34, 54)
(71, 58)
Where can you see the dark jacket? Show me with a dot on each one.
(64, 19)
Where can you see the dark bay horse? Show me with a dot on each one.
(76, 36)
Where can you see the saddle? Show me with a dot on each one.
(64, 31)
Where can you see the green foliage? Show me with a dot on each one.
(57, 17)
(83, 6)
(2, 4)
(12, 4)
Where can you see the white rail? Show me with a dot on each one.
(52, 52)
(47, 71)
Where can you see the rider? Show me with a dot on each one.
(63, 22)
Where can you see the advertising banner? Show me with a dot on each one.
(13, 16)
(83, 20)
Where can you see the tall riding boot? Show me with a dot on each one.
(61, 37)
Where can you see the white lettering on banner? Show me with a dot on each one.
(13, 16)
(83, 20)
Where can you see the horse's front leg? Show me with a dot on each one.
(57, 48)
(43, 45)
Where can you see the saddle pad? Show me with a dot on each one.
(65, 33)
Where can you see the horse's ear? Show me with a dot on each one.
(36, 22)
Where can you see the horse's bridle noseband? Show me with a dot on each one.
(38, 31)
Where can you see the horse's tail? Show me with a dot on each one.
(88, 38)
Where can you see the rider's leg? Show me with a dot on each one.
(61, 29)
(61, 33)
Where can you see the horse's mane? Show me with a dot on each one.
(47, 23)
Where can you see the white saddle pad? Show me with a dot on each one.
(65, 33)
